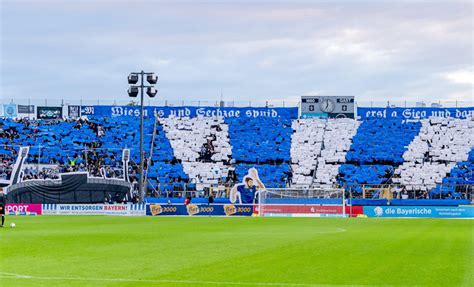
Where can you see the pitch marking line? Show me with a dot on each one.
(191, 282)
(296, 232)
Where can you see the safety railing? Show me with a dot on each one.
(388, 191)
(225, 103)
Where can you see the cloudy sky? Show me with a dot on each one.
(242, 50)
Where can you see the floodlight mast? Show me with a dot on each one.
(133, 92)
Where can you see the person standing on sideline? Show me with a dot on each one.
(2, 207)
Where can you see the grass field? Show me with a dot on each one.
(204, 251)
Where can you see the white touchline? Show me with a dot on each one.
(20, 276)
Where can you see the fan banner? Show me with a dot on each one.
(26, 109)
(74, 111)
(413, 114)
(49, 113)
(188, 111)
(10, 111)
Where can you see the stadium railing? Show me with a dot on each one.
(392, 192)
(218, 103)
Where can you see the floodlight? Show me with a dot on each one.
(132, 79)
(133, 91)
(152, 79)
(151, 91)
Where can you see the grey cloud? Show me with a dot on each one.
(267, 50)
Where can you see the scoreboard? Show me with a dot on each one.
(327, 106)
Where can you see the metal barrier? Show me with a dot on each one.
(219, 103)
(383, 191)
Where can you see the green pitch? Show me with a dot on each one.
(185, 251)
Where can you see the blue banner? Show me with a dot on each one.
(420, 211)
(199, 209)
(10, 111)
(227, 112)
(414, 113)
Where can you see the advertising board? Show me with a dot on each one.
(23, 209)
(420, 211)
(200, 209)
(94, 209)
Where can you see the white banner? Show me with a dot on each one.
(95, 209)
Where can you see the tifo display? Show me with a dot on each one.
(227, 161)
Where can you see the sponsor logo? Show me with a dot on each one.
(192, 209)
(229, 209)
(420, 211)
(156, 209)
(378, 211)
(19, 208)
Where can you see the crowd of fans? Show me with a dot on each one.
(94, 159)
(8, 153)
(101, 161)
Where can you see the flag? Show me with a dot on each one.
(26, 109)
(10, 111)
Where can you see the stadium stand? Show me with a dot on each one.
(164, 173)
(318, 148)
(202, 146)
(306, 145)
(463, 172)
(264, 143)
(337, 141)
(194, 154)
(459, 180)
(435, 151)
(376, 150)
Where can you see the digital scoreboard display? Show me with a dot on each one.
(327, 106)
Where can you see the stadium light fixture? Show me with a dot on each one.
(132, 79)
(133, 91)
(151, 91)
(152, 79)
